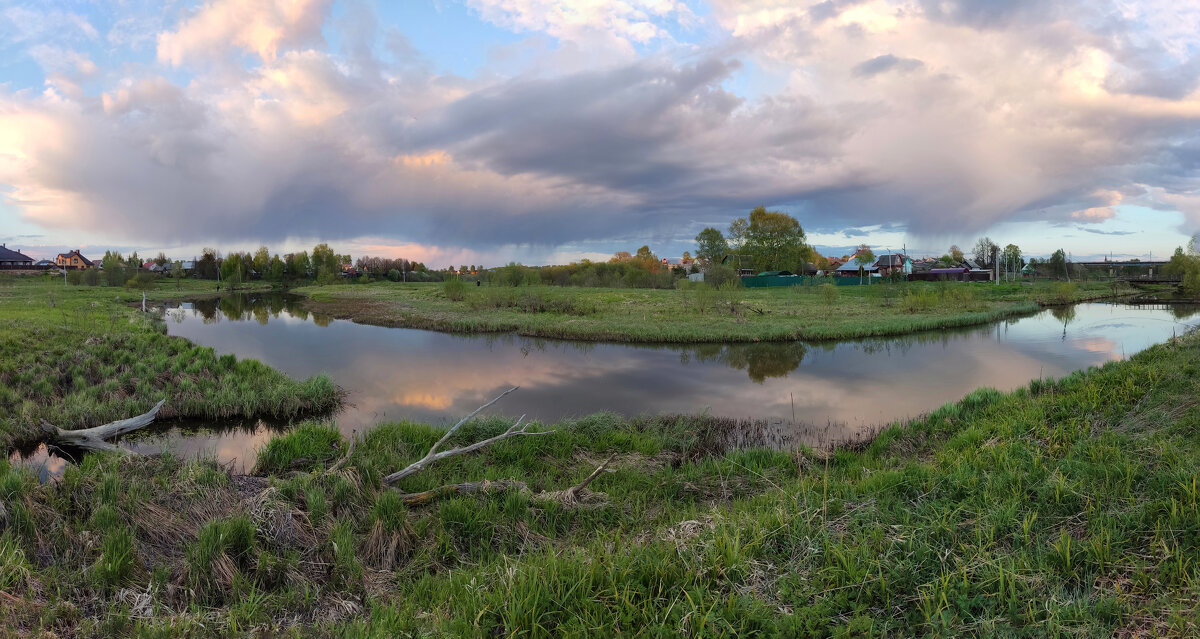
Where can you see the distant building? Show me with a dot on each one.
(73, 260)
(14, 259)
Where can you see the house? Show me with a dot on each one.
(14, 259)
(73, 260)
(44, 264)
(851, 269)
(893, 263)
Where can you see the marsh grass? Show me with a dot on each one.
(1066, 508)
(79, 358)
(695, 312)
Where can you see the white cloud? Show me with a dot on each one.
(261, 27)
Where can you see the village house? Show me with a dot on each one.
(893, 263)
(73, 260)
(11, 259)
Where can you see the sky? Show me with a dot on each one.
(546, 131)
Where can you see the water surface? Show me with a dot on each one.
(817, 393)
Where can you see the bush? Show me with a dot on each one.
(719, 275)
(141, 281)
(829, 293)
(91, 277)
(393, 275)
(454, 289)
(74, 278)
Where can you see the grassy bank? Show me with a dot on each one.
(83, 356)
(697, 314)
(1069, 508)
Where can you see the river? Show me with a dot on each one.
(815, 393)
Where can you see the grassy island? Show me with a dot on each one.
(82, 356)
(695, 314)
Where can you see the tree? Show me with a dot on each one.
(324, 261)
(114, 268)
(737, 232)
(301, 264)
(1011, 259)
(687, 256)
(774, 240)
(864, 258)
(177, 273)
(985, 252)
(711, 246)
(161, 259)
(1058, 264)
(275, 269)
(262, 257)
(956, 254)
(233, 270)
(206, 266)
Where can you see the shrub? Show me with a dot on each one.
(719, 274)
(393, 275)
(454, 289)
(829, 293)
(75, 278)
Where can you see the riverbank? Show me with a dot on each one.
(698, 314)
(1066, 508)
(82, 356)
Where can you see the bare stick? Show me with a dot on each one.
(467, 488)
(349, 451)
(516, 430)
(93, 438)
(573, 491)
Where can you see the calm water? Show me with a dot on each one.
(816, 393)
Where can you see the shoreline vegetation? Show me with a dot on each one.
(78, 357)
(1069, 507)
(695, 313)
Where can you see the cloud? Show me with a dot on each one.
(261, 27)
(623, 23)
(1095, 215)
(885, 63)
(974, 113)
(1099, 232)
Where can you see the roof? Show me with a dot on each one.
(769, 273)
(44, 263)
(890, 260)
(852, 267)
(9, 255)
(76, 252)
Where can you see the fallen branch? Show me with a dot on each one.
(342, 462)
(94, 438)
(516, 430)
(572, 493)
(468, 488)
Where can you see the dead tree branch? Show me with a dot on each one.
(516, 430)
(345, 458)
(94, 438)
(573, 491)
(468, 488)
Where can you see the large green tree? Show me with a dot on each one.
(711, 246)
(774, 241)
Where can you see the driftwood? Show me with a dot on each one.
(94, 438)
(571, 496)
(467, 488)
(516, 430)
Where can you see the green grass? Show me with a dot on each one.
(1067, 508)
(83, 356)
(694, 313)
